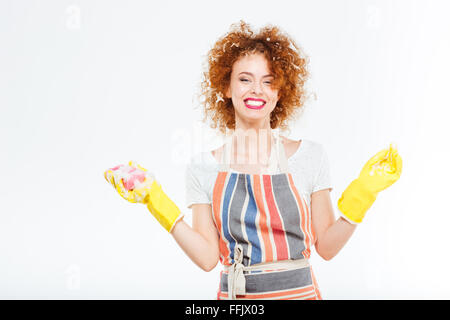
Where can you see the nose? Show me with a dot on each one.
(256, 88)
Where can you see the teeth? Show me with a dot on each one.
(254, 103)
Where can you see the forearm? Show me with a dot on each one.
(198, 249)
(334, 238)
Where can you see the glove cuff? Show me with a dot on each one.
(355, 201)
(162, 208)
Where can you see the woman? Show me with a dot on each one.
(261, 201)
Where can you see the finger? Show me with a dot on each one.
(141, 168)
(389, 158)
(398, 165)
(140, 194)
(134, 164)
(377, 158)
(396, 168)
(109, 175)
(127, 195)
(120, 188)
(394, 152)
(391, 162)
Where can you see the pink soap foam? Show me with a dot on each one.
(116, 167)
(133, 175)
(130, 175)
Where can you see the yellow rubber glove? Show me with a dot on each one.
(135, 184)
(381, 171)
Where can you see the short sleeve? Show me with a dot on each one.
(195, 192)
(323, 180)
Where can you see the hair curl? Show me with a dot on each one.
(287, 62)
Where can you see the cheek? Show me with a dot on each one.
(274, 97)
(239, 91)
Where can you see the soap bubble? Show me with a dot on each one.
(219, 97)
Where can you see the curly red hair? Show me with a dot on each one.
(286, 60)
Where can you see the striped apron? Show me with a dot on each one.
(265, 233)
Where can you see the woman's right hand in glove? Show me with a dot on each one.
(135, 184)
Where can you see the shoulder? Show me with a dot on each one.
(304, 148)
(216, 154)
(314, 147)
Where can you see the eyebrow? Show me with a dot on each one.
(249, 73)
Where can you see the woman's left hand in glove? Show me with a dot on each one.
(380, 172)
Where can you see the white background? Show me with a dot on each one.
(86, 85)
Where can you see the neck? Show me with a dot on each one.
(252, 144)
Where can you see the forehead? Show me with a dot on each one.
(253, 63)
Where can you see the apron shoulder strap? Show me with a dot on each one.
(282, 160)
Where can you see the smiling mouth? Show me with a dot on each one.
(254, 104)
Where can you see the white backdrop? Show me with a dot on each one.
(86, 85)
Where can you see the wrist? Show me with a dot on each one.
(355, 201)
(178, 221)
(345, 219)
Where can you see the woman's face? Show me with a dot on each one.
(250, 89)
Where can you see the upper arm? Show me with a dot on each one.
(203, 223)
(322, 213)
